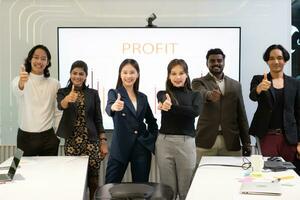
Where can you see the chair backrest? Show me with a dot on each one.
(131, 191)
(128, 190)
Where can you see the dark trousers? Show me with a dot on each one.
(140, 161)
(276, 145)
(38, 144)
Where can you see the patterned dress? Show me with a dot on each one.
(79, 144)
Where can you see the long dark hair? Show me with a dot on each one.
(27, 63)
(135, 65)
(82, 65)
(169, 85)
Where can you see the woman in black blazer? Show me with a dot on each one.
(277, 118)
(135, 128)
(81, 124)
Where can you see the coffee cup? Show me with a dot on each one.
(257, 163)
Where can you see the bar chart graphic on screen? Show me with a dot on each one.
(104, 48)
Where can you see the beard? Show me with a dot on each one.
(216, 70)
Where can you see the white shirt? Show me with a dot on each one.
(221, 84)
(37, 105)
(134, 105)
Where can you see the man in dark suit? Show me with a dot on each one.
(277, 118)
(222, 125)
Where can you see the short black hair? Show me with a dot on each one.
(214, 52)
(285, 53)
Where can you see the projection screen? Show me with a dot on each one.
(103, 49)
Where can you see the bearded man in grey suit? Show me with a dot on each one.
(222, 125)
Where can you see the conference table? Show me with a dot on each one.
(47, 178)
(213, 181)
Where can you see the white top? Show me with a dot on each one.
(37, 103)
(134, 105)
(221, 84)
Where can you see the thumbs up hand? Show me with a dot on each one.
(265, 76)
(214, 95)
(23, 77)
(72, 96)
(159, 106)
(118, 105)
(166, 105)
(264, 85)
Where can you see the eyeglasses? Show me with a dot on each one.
(246, 163)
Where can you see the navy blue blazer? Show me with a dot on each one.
(291, 111)
(93, 116)
(129, 125)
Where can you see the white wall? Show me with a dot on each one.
(25, 23)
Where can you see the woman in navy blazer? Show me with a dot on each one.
(277, 118)
(135, 128)
(81, 123)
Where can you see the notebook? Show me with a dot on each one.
(261, 188)
(13, 167)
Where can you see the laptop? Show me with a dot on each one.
(261, 188)
(13, 167)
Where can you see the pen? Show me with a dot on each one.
(279, 178)
(276, 180)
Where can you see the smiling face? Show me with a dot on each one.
(215, 64)
(276, 61)
(39, 62)
(128, 75)
(78, 76)
(177, 76)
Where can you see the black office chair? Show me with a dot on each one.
(134, 191)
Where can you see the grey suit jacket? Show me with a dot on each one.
(229, 112)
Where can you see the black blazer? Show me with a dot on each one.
(129, 125)
(93, 116)
(266, 99)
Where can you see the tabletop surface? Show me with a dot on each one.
(46, 177)
(224, 182)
